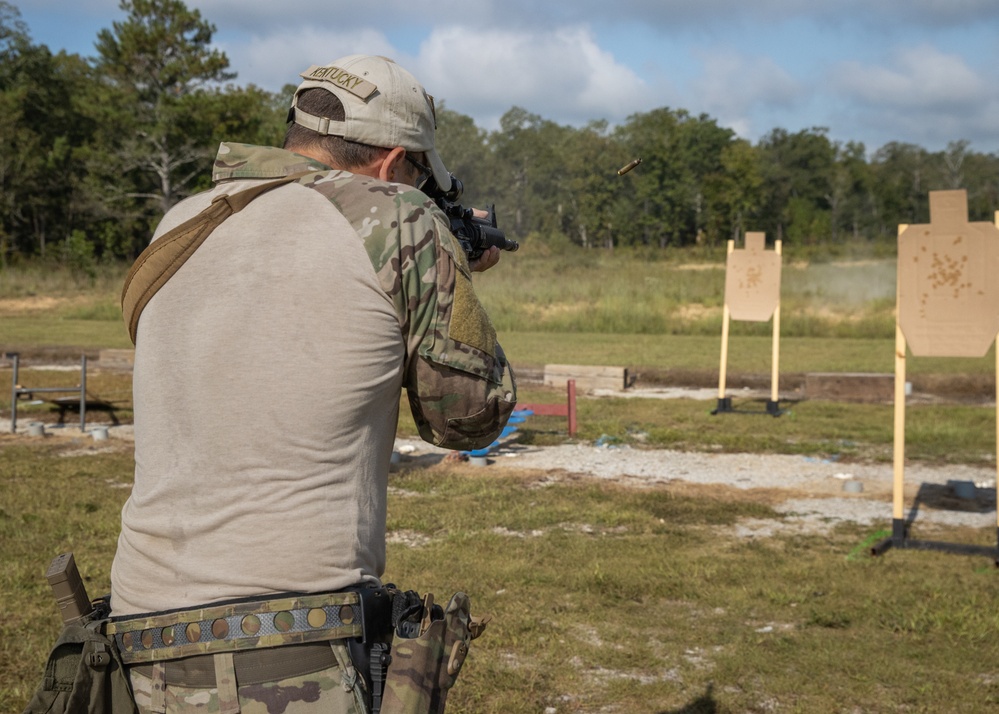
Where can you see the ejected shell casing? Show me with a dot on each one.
(625, 169)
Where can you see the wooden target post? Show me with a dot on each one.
(947, 305)
(752, 294)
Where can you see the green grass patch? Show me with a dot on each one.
(857, 432)
(53, 279)
(578, 291)
(610, 599)
(72, 333)
(631, 292)
(602, 597)
(663, 354)
(51, 502)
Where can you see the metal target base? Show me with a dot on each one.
(899, 539)
(724, 406)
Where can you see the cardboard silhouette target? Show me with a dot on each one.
(946, 306)
(752, 294)
(752, 280)
(948, 295)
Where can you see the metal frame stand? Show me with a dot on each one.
(17, 390)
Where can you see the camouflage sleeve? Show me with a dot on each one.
(460, 387)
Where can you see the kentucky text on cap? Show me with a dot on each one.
(384, 105)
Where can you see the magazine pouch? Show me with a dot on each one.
(83, 675)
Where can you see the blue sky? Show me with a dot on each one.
(873, 71)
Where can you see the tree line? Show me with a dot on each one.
(94, 150)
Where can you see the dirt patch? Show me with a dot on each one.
(35, 303)
(699, 266)
(971, 388)
(696, 311)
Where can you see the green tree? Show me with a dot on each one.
(158, 70)
(735, 192)
(529, 155)
(677, 194)
(981, 172)
(851, 200)
(38, 133)
(900, 173)
(701, 146)
(649, 136)
(594, 203)
(462, 147)
(15, 139)
(797, 174)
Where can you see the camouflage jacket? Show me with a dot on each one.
(460, 387)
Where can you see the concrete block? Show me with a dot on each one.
(587, 377)
(866, 387)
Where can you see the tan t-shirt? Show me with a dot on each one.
(267, 381)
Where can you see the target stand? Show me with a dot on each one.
(752, 293)
(947, 305)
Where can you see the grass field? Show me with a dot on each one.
(604, 598)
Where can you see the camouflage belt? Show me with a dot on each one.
(237, 626)
(251, 667)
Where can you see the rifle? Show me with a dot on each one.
(475, 234)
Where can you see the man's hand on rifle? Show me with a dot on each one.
(491, 256)
(484, 262)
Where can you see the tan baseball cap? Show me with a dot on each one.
(383, 106)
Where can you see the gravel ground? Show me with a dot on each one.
(812, 494)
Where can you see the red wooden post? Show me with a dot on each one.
(571, 415)
(568, 409)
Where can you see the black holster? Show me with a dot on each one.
(370, 654)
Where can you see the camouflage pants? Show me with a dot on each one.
(327, 690)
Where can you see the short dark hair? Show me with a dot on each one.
(344, 154)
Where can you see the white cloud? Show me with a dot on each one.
(921, 95)
(915, 77)
(664, 15)
(342, 15)
(101, 8)
(733, 88)
(563, 75)
(275, 60)
(784, 63)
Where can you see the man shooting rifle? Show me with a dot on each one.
(266, 387)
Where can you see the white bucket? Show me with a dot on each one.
(100, 433)
(36, 428)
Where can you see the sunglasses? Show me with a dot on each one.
(425, 171)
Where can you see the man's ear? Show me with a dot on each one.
(391, 168)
